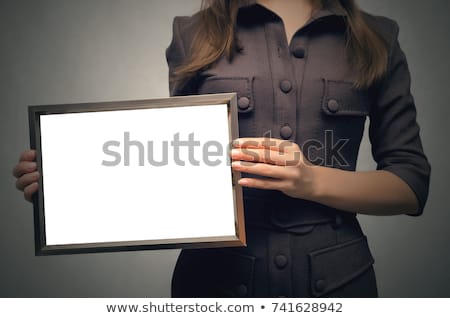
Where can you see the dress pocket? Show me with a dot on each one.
(342, 113)
(335, 266)
(341, 99)
(213, 273)
(242, 86)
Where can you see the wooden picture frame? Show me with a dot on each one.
(83, 207)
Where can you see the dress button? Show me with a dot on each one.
(243, 103)
(286, 132)
(333, 105)
(320, 285)
(280, 261)
(241, 290)
(299, 52)
(286, 86)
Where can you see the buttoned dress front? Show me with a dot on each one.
(301, 91)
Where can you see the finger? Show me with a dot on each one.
(267, 156)
(24, 167)
(261, 169)
(268, 143)
(28, 155)
(26, 180)
(30, 190)
(266, 184)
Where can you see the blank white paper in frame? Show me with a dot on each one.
(100, 186)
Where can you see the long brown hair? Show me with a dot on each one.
(216, 36)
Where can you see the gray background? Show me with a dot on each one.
(63, 51)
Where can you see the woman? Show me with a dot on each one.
(307, 74)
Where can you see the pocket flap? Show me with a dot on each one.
(213, 273)
(242, 86)
(334, 266)
(232, 274)
(340, 98)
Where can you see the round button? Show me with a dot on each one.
(243, 103)
(286, 86)
(281, 261)
(333, 105)
(320, 285)
(241, 290)
(299, 52)
(286, 132)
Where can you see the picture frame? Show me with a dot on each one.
(101, 193)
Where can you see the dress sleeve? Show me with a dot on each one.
(393, 130)
(175, 56)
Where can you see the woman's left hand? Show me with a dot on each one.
(281, 162)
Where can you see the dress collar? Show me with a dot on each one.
(252, 7)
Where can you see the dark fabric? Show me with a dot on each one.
(323, 260)
(302, 91)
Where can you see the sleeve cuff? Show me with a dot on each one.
(417, 180)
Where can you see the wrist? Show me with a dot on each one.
(318, 177)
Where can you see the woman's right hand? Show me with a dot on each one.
(26, 173)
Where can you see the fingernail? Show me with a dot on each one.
(235, 151)
(243, 181)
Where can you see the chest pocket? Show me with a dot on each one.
(243, 87)
(341, 99)
(343, 113)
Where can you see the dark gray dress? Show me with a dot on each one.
(302, 92)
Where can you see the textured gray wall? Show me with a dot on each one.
(60, 51)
